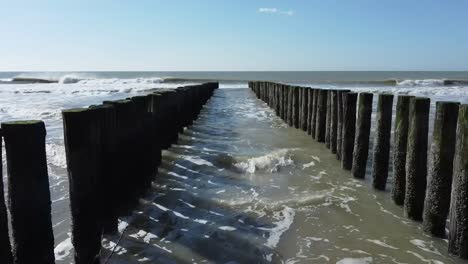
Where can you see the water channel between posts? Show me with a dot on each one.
(241, 186)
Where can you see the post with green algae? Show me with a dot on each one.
(5, 246)
(437, 203)
(349, 126)
(361, 142)
(458, 240)
(321, 113)
(29, 194)
(416, 158)
(400, 143)
(339, 133)
(382, 141)
(328, 120)
(333, 121)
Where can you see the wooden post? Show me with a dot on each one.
(339, 134)
(284, 98)
(333, 121)
(5, 246)
(28, 192)
(84, 152)
(382, 141)
(361, 143)
(399, 151)
(458, 239)
(321, 121)
(310, 98)
(305, 112)
(313, 125)
(328, 120)
(348, 132)
(295, 106)
(416, 159)
(109, 172)
(290, 106)
(437, 203)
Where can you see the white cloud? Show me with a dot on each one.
(274, 10)
(287, 13)
(270, 10)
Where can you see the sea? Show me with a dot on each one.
(240, 186)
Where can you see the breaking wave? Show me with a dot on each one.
(270, 162)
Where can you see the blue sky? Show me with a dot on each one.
(51, 35)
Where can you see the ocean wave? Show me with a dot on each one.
(423, 82)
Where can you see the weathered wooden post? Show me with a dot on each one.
(84, 152)
(28, 192)
(361, 142)
(328, 120)
(437, 203)
(290, 106)
(5, 246)
(333, 121)
(284, 99)
(109, 152)
(348, 132)
(153, 108)
(313, 125)
(382, 141)
(305, 112)
(339, 134)
(399, 152)
(295, 106)
(458, 239)
(277, 99)
(321, 122)
(416, 158)
(310, 98)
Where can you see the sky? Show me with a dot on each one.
(233, 35)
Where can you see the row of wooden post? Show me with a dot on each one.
(113, 151)
(342, 120)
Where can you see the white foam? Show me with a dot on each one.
(425, 246)
(188, 204)
(381, 243)
(270, 162)
(177, 175)
(63, 249)
(310, 164)
(196, 160)
(201, 221)
(122, 225)
(366, 260)
(285, 219)
(227, 228)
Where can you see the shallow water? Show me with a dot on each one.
(242, 187)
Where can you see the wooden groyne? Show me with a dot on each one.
(430, 199)
(113, 151)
